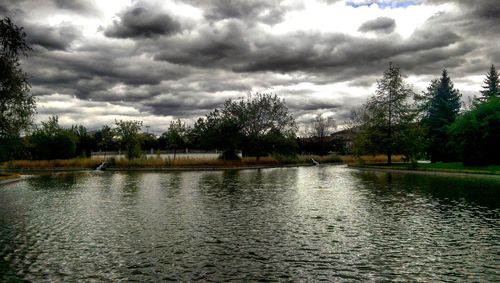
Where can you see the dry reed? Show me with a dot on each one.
(369, 159)
(49, 164)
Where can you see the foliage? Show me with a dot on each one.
(443, 110)
(84, 141)
(262, 119)
(148, 141)
(128, 136)
(51, 141)
(218, 131)
(17, 106)
(388, 119)
(13, 147)
(176, 136)
(259, 124)
(492, 86)
(104, 138)
(476, 134)
(423, 101)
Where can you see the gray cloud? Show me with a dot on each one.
(267, 11)
(185, 68)
(381, 24)
(141, 21)
(84, 6)
(52, 38)
(212, 46)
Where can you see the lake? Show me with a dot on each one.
(326, 223)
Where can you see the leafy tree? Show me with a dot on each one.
(218, 131)
(148, 141)
(443, 110)
(104, 139)
(17, 106)
(51, 141)
(476, 134)
(258, 116)
(492, 86)
(84, 141)
(176, 136)
(128, 135)
(388, 118)
(258, 125)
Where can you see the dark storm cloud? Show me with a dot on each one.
(302, 103)
(4, 10)
(212, 46)
(318, 53)
(19, 7)
(235, 46)
(52, 38)
(141, 21)
(187, 67)
(84, 6)
(183, 104)
(267, 11)
(475, 18)
(85, 73)
(381, 24)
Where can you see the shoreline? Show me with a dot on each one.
(159, 169)
(425, 171)
(374, 168)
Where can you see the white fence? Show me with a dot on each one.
(185, 154)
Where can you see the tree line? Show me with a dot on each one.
(395, 120)
(258, 125)
(431, 125)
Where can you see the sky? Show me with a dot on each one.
(157, 61)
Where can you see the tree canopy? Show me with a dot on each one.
(51, 141)
(258, 124)
(128, 135)
(17, 106)
(176, 136)
(443, 110)
(491, 87)
(387, 118)
(476, 134)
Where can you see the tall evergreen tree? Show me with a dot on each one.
(387, 118)
(443, 110)
(492, 86)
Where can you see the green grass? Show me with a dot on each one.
(458, 166)
(455, 167)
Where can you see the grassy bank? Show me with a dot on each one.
(451, 167)
(369, 159)
(154, 162)
(8, 176)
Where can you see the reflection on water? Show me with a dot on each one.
(292, 224)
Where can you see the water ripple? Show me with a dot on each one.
(325, 223)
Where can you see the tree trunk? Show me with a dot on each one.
(389, 157)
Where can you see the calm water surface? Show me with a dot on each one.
(292, 224)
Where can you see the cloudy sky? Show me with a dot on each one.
(97, 61)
